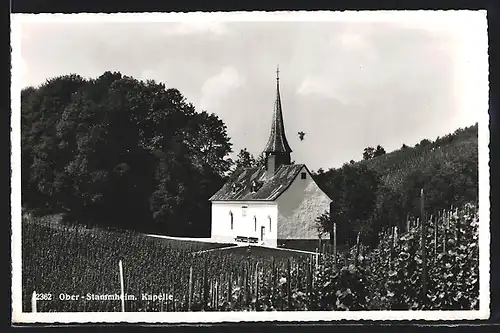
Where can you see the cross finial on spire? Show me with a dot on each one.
(277, 72)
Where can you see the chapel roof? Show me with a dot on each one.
(253, 184)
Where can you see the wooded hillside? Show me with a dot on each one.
(374, 194)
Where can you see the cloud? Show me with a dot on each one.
(218, 86)
(197, 27)
(316, 86)
(320, 87)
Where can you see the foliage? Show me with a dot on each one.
(368, 153)
(379, 151)
(341, 288)
(122, 152)
(245, 160)
(452, 261)
(352, 190)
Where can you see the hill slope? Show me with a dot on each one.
(372, 195)
(397, 165)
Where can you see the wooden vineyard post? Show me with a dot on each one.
(247, 291)
(215, 294)
(229, 287)
(200, 284)
(357, 249)
(33, 302)
(257, 287)
(422, 245)
(309, 282)
(317, 258)
(217, 291)
(288, 287)
(172, 292)
(273, 281)
(190, 288)
(435, 221)
(335, 243)
(457, 233)
(445, 231)
(391, 253)
(122, 291)
(205, 286)
(210, 294)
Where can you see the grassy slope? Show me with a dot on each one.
(396, 165)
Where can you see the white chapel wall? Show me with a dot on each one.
(299, 206)
(244, 225)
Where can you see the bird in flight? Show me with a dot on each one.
(301, 135)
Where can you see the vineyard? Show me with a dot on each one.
(395, 275)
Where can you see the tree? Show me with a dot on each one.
(424, 143)
(41, 110)
(260, 160)
(379, 151)
(368, 153)
(353, 190)
(122, 152)
(245, 160)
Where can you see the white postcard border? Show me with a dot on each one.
(213, 317)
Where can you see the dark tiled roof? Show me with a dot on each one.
(265, 189)
(277, 142)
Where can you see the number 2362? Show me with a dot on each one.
(43, 297)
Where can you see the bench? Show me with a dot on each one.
(246, 239)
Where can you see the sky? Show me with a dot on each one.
(347, 80)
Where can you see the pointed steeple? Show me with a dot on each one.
(277, 149)
(277, 142)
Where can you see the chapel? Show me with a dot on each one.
(273, 205)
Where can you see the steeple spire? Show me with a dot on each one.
(277, 146)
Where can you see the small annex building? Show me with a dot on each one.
(274, 205)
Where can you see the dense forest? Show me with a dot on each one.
(122, 153)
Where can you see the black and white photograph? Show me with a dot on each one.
(250, 166)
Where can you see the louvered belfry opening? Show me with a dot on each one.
(277, 150)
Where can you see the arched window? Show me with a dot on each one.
(232, 220)
(269, 219)
(255, 222)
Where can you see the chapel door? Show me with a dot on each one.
(262, 233)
